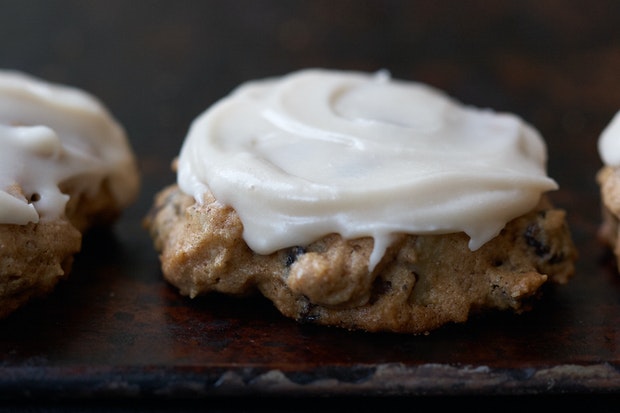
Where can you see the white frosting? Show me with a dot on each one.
(50, 134)
(609, 142)
(318, 152)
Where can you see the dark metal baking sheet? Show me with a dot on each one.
(115, 329)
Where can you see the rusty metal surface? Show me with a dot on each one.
(116, 329)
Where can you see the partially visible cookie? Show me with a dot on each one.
(362, 202)
(65, 166)
(608, 179)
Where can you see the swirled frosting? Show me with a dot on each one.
(52, 134)
(609, 142)
(320, 151)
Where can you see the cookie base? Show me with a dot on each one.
(422, 283)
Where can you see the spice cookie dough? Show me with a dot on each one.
(65, 167)
(363, 202)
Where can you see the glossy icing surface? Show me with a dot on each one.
(320, 151)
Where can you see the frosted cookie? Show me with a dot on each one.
(608, 178)
(359, 201)
(65, 166)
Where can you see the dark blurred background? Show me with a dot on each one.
(158, 64)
